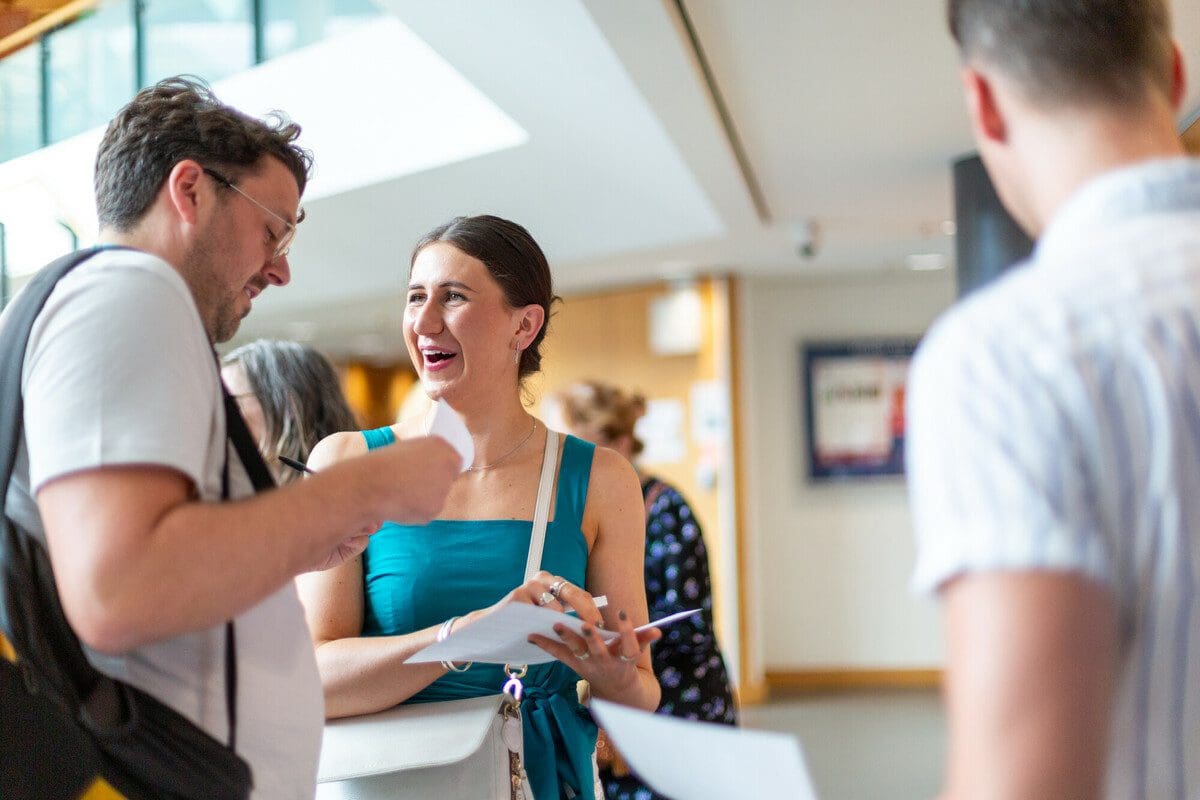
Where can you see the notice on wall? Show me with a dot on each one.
(855, 407)
(662, 432)
(710, 412)
(709, 402)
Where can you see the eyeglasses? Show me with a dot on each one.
(283, 242)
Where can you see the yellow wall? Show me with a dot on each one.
(1191, 138)
(605, 336)
(376, 392)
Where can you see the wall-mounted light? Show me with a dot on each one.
(927, 262)
(676, 324)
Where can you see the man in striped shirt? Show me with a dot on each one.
(1054, 419)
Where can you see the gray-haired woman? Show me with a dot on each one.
(290, 397)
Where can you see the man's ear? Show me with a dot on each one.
(982, 106)
(532, 318)
(183, 190)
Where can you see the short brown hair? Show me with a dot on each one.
(176, 119)
(515, 261)
(1070, 51)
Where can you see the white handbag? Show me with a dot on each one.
(454, 750)
(470, 749)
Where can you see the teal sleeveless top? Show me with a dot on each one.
(417, 576)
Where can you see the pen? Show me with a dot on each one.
(296, 465)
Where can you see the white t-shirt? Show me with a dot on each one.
(119, 370)
(1054, 424)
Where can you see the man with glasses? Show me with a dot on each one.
(125, 436)
(283, 239)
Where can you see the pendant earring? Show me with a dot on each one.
(517, 357)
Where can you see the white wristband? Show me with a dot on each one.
(442, 634)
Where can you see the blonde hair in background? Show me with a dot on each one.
(603, 411)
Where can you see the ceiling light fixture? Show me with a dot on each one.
(926, 262)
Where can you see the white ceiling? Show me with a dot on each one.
(848, 110)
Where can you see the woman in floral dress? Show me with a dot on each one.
(687, 660)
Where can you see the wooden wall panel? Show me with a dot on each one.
(1191, 138)
(23, 21)
(605, 336)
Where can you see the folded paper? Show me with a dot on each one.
(502, 636)
(448, 424)
(704, 760)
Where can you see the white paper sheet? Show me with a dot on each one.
(449, 425)
(691, 760)
(500, 637)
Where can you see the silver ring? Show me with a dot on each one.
(545, 599)
(557, 586)
(584, 656)
(627, 659)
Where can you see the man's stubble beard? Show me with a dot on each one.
(216, 303)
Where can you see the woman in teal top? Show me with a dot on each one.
(478, 298)
(471, 563)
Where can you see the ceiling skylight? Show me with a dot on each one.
(375, 104)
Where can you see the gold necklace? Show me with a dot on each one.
(501, 459)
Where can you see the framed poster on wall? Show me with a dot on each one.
(854, 406)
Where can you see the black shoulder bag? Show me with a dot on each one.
(67, 730)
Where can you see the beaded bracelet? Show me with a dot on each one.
(442, 633)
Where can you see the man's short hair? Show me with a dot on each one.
(180, 118)
(1075, 52)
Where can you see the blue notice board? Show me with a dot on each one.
(854, 406)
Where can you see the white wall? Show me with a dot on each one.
(827, 565)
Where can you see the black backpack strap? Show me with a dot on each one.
(30, 613)
(260, 477)
(244, 444)
(14, 338)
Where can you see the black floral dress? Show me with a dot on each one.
(687, 660)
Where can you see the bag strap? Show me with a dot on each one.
(36, 630)
(541, 509)
(260, 477)
(15, 333)
(513, 688)
(247, 449)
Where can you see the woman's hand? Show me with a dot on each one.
(610, 669)
(548, 591)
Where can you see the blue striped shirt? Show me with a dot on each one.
(1054, 424)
